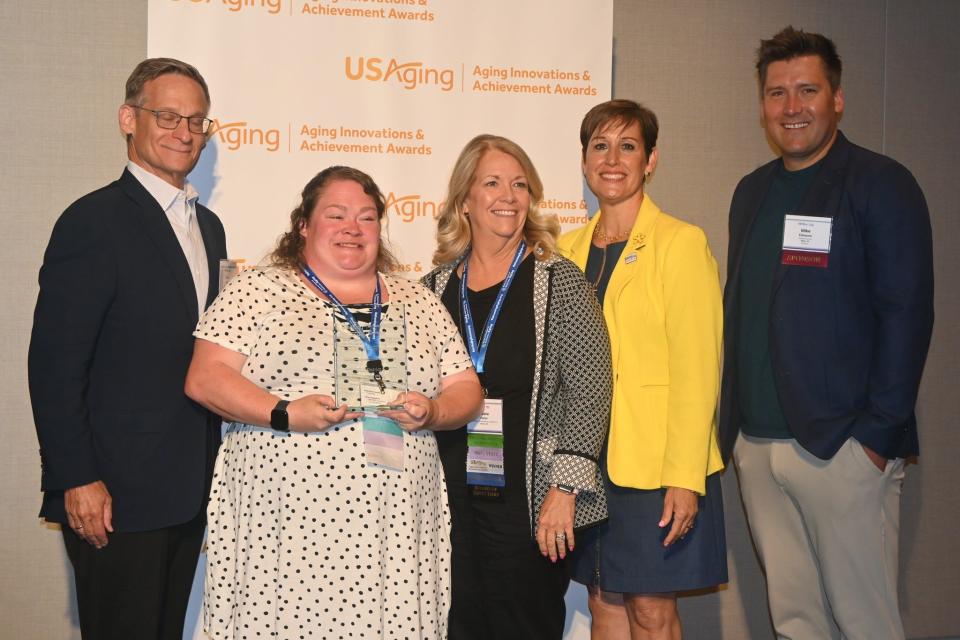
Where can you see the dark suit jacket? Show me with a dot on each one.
(847, 342)
(111, 343)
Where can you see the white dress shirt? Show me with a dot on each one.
(180, 205)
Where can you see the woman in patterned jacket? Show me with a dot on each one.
(524, 478)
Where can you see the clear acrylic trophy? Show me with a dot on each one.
(356, 387)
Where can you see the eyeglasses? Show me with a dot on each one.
(171, 120)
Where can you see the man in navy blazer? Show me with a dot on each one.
(828, 316)
(126, 456)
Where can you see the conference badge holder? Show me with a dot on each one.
(485, 473)
(485, 450)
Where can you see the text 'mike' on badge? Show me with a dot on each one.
(806, 240)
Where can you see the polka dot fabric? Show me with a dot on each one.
(305, 540)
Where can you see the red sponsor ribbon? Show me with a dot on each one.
(794, 258)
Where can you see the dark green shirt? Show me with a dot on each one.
(759, 405)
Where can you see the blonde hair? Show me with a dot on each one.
(540, 231)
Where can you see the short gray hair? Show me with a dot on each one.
(153, 68)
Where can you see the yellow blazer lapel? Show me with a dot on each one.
(577, 246)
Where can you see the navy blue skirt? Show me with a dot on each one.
(626, 553)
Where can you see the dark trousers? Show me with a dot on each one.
(138, 585)
(502, 587)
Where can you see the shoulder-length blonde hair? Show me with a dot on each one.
(289, 250)
(540, 231)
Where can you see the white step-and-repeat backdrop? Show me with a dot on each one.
(392, 87)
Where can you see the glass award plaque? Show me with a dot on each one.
(359, 389)
(354, 382)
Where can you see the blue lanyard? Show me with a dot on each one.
(478, 353)
(371, 344)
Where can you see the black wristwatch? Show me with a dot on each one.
(279, 420)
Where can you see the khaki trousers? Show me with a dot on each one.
(827, 534)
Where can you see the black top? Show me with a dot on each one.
(762, 414)
(600, 264)
(508, 375)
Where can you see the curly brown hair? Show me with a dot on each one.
(289, 250)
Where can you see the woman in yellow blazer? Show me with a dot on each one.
(657, 282)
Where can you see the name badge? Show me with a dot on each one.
(371, 395)
(382, 437)
(806, 241)
(485, 447)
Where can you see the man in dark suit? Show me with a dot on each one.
(126, 456)
(829, 311)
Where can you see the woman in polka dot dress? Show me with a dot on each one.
(319, 524)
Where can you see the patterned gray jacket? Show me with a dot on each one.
(572, 387)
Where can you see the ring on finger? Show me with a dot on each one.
(561, 536)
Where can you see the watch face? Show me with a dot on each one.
(279, 418)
